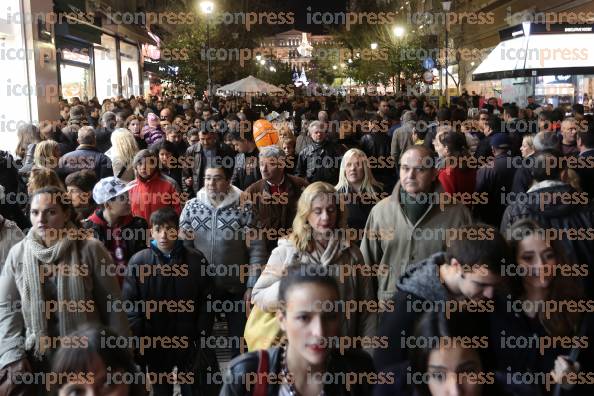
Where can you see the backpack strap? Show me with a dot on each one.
(261, 388)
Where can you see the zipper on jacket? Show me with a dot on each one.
(212, 235)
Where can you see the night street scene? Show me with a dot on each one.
(296, 198)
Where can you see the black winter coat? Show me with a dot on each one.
(185, 320)
(320, 162)
(494, 179)
(87, 157)
(103, 136)
(419, 283)
(571, 213)
(513, 338)
(353, 361)
(246, 171)
(587, 174)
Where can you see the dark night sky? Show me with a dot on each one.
(299, 7)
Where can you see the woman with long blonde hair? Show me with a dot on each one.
(122, 152)
(47, 153)
(319, 238)
(358, 189)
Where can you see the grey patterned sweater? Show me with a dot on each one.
(227, 236)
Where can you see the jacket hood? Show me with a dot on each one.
(551, 206)
(422, 279)
(232, 197)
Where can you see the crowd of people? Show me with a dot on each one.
(390, 246)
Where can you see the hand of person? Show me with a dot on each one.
(188, 181)
(564, 367)
(247, 298)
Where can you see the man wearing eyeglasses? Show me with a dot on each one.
(113, 224)
(410, 225)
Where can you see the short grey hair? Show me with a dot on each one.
(86, 135)
(313, 125)
(272, 152)
(108, 115)
(546, 141)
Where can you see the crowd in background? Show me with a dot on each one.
(133, 201)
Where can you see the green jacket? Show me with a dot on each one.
(391, 241)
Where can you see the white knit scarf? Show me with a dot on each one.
(69, 287)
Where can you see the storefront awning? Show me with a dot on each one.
(539, 55)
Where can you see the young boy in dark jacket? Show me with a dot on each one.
(465, 277)
(169, 275)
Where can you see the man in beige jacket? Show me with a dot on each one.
(412, 223)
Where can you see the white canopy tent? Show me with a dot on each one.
(249, 86)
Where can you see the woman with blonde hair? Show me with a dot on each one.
(527, 148)
(47, 153)
(41, 177)
(319, 238)
(28, 136)
(122, 152)
(357, 188)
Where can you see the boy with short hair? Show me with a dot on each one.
(169, 272)
(467, 274)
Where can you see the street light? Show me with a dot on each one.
(398, 31)
(258, 57)
(373, 46)
(334, 67)
(207, 7)
(262, 62)
(447, 5)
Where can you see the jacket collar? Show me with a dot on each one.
(97, 218)
(546, 184)
(232, 197)
(176, 252)
(88, 147)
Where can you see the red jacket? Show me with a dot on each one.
(458, 180)
(155, 193)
